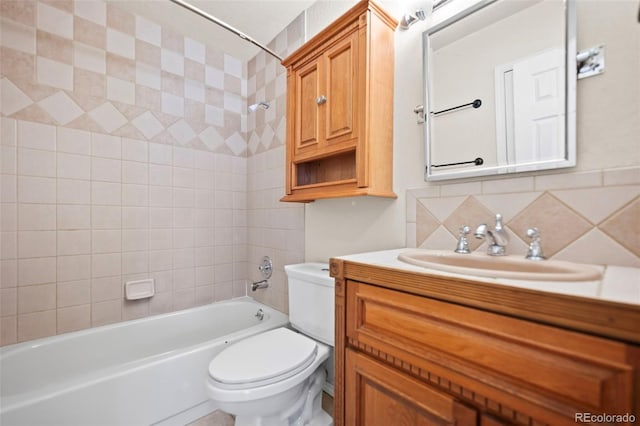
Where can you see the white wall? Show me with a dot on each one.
(608, 128)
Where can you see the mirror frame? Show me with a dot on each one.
(570, 102)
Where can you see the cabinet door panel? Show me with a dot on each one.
(341, 91)
(540, 371)
(378, 395)
(487, 420)
(307, 86)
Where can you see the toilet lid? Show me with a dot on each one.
(266, 357)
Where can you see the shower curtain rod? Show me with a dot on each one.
(224, 25)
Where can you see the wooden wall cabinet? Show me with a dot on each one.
(414, 349)
(340, 109)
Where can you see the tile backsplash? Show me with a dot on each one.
(589, 217)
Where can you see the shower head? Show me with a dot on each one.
(263, 105)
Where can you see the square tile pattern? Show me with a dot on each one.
(126, 154)
(91, 66)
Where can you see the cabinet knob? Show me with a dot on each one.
(321, 100)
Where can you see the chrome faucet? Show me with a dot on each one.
(463, 243)
(535, 247)
(498, 237)
(259, 284)
(266, 269)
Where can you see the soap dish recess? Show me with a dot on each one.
(139, 289)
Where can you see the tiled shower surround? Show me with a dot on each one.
(274, 228)
(127, 154)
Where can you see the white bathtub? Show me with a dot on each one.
(140, 372)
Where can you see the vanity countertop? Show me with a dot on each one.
(609, 306)
(619, 284)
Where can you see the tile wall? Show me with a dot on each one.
(589, 217)
(124, 156)
(274, 228)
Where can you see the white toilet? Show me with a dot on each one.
(276, 378)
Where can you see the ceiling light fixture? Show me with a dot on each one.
(409, 19)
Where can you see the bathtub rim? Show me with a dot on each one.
(18, 400)
(22, 346)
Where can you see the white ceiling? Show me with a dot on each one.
(261, 20)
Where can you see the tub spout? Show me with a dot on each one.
(259, 284)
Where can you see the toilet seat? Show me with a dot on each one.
(262, 359)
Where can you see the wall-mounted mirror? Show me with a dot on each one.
(500, 80)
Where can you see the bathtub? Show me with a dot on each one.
(140, 372)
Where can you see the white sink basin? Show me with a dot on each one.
(508, 267)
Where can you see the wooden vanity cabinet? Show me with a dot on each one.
(379, 395)
(340, 109)
(406, 357)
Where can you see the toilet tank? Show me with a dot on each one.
(312, 300)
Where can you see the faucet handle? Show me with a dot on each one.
(535, 247)
(463, 243)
